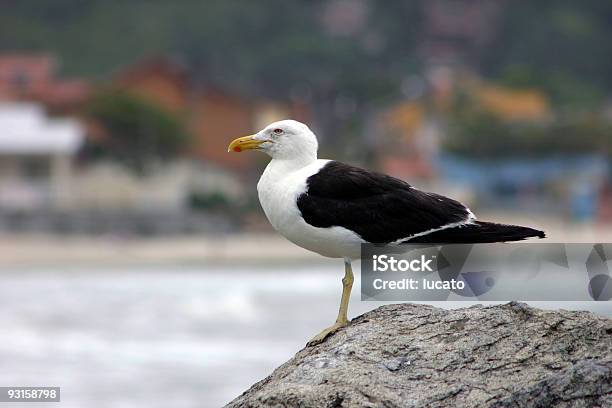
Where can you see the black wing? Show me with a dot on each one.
(379, 208)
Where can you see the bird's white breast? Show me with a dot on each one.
(279, 187)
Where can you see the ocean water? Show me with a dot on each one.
(160, 336)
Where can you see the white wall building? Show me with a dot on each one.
(38, 173)
(36, 158)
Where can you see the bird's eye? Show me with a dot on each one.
(278, 131)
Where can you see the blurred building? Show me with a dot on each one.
(408, 141)
(567, 186)
(46, 184)
(45, 187)
(410, 132)
(213, 115)
(33, 77)
(514, 105)
(36, 158)
(409, 144)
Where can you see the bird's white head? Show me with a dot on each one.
(284, 140)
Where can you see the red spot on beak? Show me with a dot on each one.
(237, 149)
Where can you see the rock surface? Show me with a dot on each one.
(410, 355)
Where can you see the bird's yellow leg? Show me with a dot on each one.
(347, 285)
(342, 319)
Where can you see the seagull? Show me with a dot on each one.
(331, 208)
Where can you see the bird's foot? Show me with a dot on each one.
(319, 338)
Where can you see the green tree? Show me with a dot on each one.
(135, 132)
(559, 46)
(477, 133)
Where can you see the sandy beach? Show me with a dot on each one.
(223, 248)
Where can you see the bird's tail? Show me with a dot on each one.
(478, 232)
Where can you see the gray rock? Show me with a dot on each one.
(410, 355)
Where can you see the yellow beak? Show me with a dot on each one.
(244, 143)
